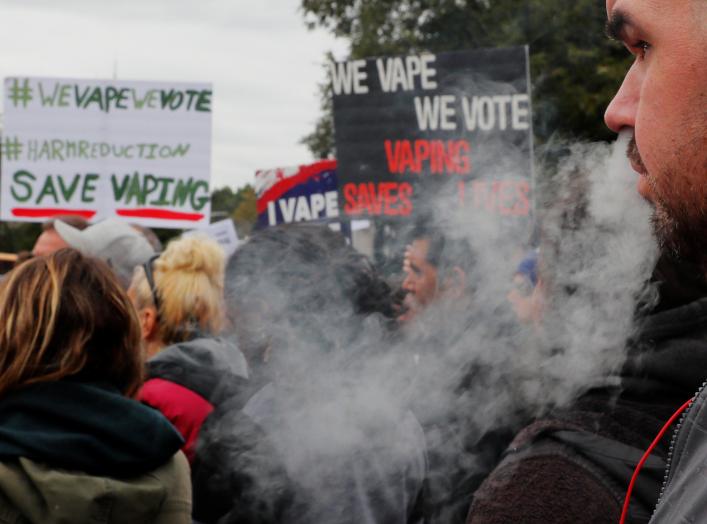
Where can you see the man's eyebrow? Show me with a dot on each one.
(616, 25)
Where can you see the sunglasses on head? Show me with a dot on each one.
(149, 275)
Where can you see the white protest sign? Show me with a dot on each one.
(223, 232)
(140, 151)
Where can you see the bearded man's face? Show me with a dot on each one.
(664, 100)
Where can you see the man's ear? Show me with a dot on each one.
(454, 283)
(148, 322)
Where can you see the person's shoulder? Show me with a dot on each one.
(682, 497)
(174, 474)
(40, 493)
(175, 477)
(540, 483)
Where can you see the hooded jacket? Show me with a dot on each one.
(187, 381)
(200, 386)
(74, 453)
(575, 464)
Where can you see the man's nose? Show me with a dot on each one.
(622, 109)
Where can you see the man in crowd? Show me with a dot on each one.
(50, 240)
(440, 311)
(664, 101)
(574, 465)
(437, 267)
(309, 313)
(116, 242)
(523, 294)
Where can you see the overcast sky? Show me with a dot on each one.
(263, 62)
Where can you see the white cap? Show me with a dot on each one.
(116, 242)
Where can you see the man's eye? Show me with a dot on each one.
(640, 49)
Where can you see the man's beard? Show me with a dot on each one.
(680, 213)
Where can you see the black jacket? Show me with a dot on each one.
(574, 465)
(203, 388)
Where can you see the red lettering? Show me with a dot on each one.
(479, 190)
(387, 194)
(422, 152)
(463, 164)
(406, 158)
(492, 200)
(387, 198)
(522, 207)
(506, 197)
(350, 207)
(404, 193)
(503, 197)
(393, 157)
(369, 194)
(446, 160)
(450, 157)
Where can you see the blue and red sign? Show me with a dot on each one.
(297, 194)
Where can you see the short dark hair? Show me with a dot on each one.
(298, 278)
(445, 251)
(76, 221)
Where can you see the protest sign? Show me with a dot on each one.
(297, 194)
(103, 148)
(408, 127)
(224, 232)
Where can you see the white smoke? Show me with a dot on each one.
(467, 365)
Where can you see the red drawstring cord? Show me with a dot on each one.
(624, 512)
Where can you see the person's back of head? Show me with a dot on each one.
(71, 364)
(50, 240)
(301, 285)
(65, 315)
(179, 294)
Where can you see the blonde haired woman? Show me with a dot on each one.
(73, 444)
(179, 293)
(179, 299)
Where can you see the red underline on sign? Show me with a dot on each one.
(164, 214)
(46, 212)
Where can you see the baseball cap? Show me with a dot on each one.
(111, 240)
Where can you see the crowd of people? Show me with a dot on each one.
(292, 382)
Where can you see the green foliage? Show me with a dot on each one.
(245, 213)
(321, 141)
(16, 237)
(575, 69)
(240, 205)
(224, 200)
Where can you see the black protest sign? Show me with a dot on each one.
(408, 126)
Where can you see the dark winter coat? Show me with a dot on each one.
(574, 465)
(201, 386)
(187, 381)
(369, 472)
